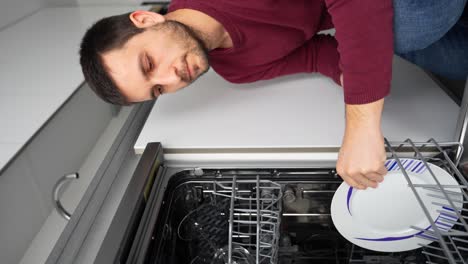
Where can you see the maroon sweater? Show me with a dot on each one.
(278, 37)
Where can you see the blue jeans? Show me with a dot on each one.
(433, 34)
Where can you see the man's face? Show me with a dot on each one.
(162, 59)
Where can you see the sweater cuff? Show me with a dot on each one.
(367, 87)
(365, 98)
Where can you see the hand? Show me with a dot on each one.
(361, 159)
(362, 154)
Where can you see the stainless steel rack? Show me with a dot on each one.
(254, 220)
(449, 246)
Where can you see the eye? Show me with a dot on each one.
(150, 63)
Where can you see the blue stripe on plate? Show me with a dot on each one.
(383, 239)
(417, 165)
(448, 208)
(443, 224)
(420, 233)
(447, 219)
(393, 165)
(449, 215)
(421, 169)
(348, 199)
(443, 228)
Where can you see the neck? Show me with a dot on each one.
(210, 31)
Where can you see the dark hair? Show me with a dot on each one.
(107, 34)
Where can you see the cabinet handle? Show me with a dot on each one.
(55, 194)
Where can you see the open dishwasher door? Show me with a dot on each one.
(271, 215)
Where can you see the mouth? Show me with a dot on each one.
(189, 73)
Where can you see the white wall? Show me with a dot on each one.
(13, 10)
(61, 2)
(95, 2)
(109, 2)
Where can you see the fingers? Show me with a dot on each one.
(353, 183)
(382, 170)
(363, 180)
(374, 176)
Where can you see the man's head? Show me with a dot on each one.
(138, 56)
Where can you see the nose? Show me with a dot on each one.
(166, 76)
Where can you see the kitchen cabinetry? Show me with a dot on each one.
(61, 146)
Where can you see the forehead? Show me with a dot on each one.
(122, 65)
(115, 57)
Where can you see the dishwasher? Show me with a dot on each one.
(271, 215)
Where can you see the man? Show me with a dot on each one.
(142, 55)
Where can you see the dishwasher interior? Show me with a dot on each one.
(275, 215)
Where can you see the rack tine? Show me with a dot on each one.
(436, 188)
(463, 248)
(418, 198)
(446, 207)
(434, 255)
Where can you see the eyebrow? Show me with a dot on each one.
(145, 76)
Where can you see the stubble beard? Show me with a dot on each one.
(190, 40)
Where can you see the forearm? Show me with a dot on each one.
(364, 116)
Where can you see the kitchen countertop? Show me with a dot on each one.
(40, 69)
(297, 111)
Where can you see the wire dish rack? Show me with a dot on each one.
(254, 221)
(449, 245)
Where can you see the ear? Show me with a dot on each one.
(143, 19)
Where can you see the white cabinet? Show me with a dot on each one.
(63, 145)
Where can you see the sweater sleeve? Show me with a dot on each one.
(364, 31)
(319, 54)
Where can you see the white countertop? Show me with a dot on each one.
(298, 111)
(40, 69)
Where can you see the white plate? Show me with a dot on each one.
(381, 219)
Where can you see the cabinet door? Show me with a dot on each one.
(76, 139)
